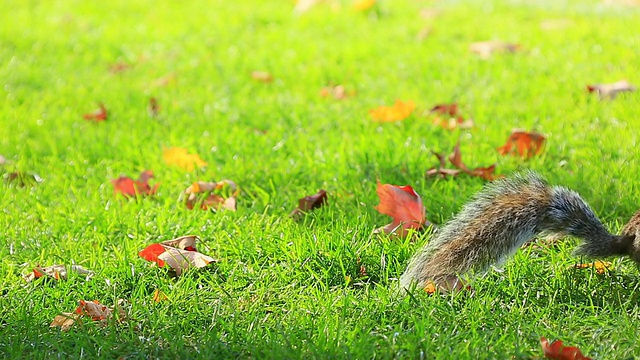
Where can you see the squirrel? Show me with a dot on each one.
(503, 216)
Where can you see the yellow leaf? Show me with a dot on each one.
(399, 111)
(600, 266)
(363, 5)
(180, 157)
(159, 296)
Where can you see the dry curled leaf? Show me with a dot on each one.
(57, 272)
(153, 108)
(337, 92)
(486, 48)
(91, 309)
(455, 158)
(180, 157)
(21, 179)
(179, 254)
(448, 117)
(97, 115)
(131, 188)
(405, 207)
(399, 111)
(526, 144)
(600, 266)
(610, 91)
(262, 76)
(556, 350)
(309, 203)
(211, 195)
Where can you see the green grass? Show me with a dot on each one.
(280, 288)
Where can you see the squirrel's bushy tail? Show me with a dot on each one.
(503, 216)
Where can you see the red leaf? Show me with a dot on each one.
(557, 351)
(98, 115)
(404, 205)
(130, 188)
(151, 253)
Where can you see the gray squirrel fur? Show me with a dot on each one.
(499, 219)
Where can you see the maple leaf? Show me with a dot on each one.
(179, 254)
(56, 272)
(363, 5)
(262, 76)
(600, 266)
(404, 205)
(487, 48)
(97, 115)
(556, 350)
(309, 203)
(450, 119)
(212, 195)
(130, 188)
(526, 144)
(153, 108)
(181, 157)
(399, 111)
(610, 91)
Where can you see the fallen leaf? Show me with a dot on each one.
(119, 67)
(363, 5)
(600, 266)
(159, 296)
(309, 203)
(404, 205)
(97, 115)
(302, 6)
(455, 158)
(262, 76)
(526, 144)
(56, 272)
(65, 321)
(610, 91)
(22, 179)
(3, 160)
(130, 188)
(153, 108)
(486, 48)
(179, 254)
(399, 111)
(168, 79)
(337, 92)
(180, 157)
(449, 118)
(556, 350)
(211, 195)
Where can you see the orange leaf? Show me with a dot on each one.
(399, 111)
(98, 115)
(130, 188)
(309, 203)
(56, 271)
(445, 109)
(404, 205)
(159, 296)
(180, 157)
(526, 144)
(556, 350)
(610, 91)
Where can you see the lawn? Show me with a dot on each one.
(324, 286)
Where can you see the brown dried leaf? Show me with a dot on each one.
(309, 203)
(212, 195)
(153, 108)
(180, 260)
(65, 321)
(56, 272)
(486, 48)
(610, 91)
(526, 144)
